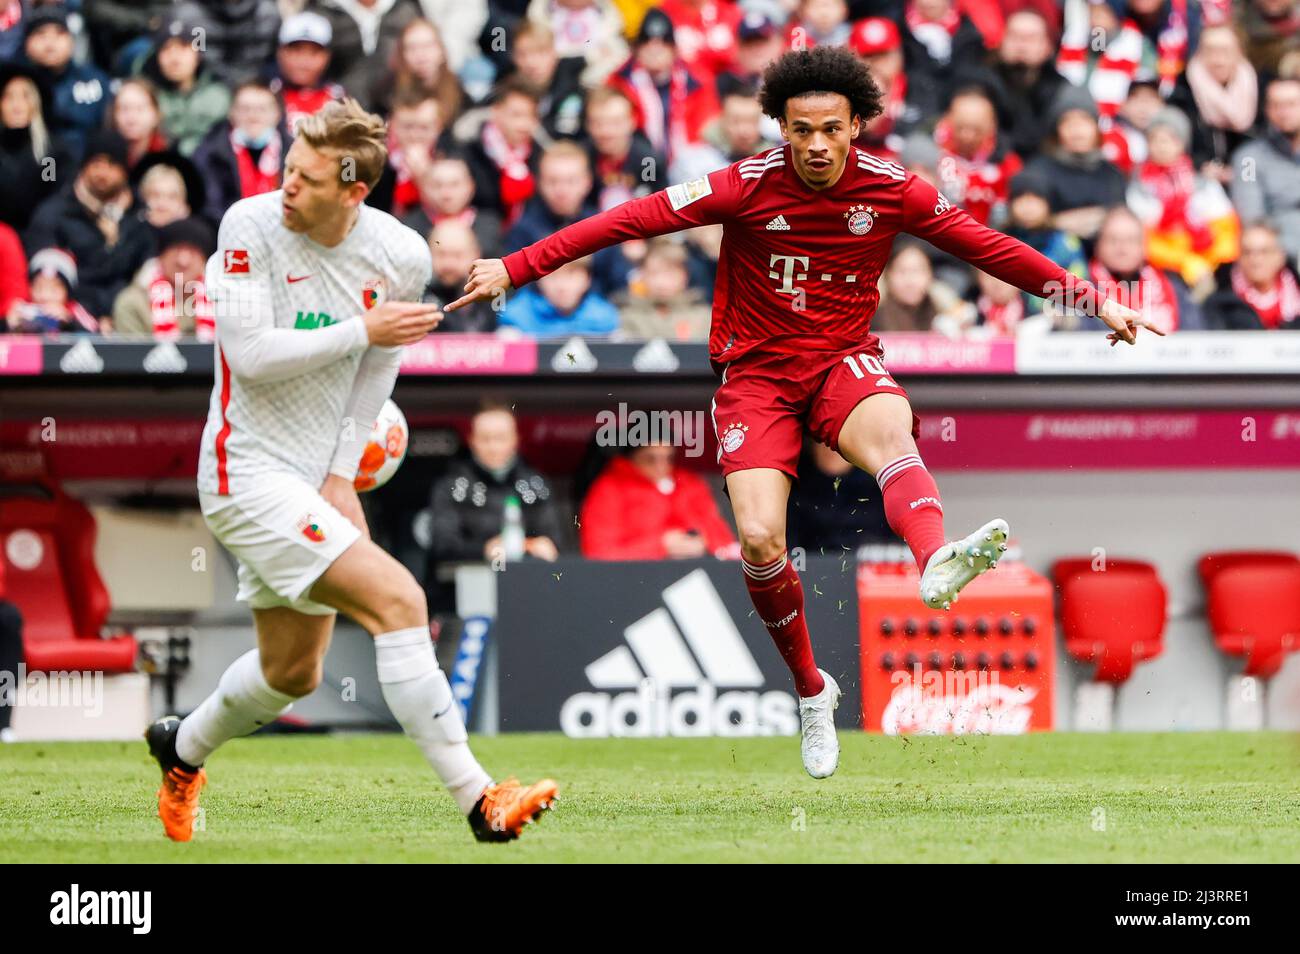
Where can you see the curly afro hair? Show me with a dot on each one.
(823, 69)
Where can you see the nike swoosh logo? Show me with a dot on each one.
(296, 278)
(439, 715)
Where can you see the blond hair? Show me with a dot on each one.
(359, 139)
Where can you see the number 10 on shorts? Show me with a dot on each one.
(869, 364)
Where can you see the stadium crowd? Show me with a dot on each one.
(1151, 145)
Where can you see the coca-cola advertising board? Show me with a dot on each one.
(987, 665)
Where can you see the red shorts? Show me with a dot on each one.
(766, 402)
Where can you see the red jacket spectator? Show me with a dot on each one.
(629, 516)
(13, 270)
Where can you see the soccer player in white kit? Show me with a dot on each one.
(315, 294)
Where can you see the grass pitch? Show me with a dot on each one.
(1203, 797)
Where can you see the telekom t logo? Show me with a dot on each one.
(788, 276)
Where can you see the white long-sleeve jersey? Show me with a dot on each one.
(298, 385)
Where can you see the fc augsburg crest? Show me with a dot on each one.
(372, 293)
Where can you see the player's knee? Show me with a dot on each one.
(761, 541)
(297, 678)
(403, 607)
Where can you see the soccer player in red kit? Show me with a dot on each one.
(807, 229)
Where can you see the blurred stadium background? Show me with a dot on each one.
(1153, 492)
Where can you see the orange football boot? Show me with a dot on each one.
(178, 796)
(506, 807)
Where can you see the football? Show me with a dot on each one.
(385, 449)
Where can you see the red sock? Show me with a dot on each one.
(778, 596)
(912, 505)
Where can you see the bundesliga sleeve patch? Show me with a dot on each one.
(236, 261)
(684, 193)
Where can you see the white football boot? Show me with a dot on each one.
(955, 564)
(819, 746)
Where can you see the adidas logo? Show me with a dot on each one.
(574, 355)
(691, 644)
(656, 355)
(165, 358)
(778, 224)
(82, 358)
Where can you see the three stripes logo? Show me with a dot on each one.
(670, 669)
(778, 224)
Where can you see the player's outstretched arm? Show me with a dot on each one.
(704, 201)
(929, 215)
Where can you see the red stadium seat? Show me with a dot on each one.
(1115, 617)
(1210, 564)
(1254, 610)
(47, 546)
(1063, 570)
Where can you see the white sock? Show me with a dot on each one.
(420, 698)
(241, 703)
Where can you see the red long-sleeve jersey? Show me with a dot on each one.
(798, 267)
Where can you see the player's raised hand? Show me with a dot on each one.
(1124, 322)
(487, 277)
(400, 322)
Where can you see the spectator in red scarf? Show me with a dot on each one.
(415, 138)
(13, 269)
(242, 156)
(626, 165)
(975, 166)
(672, 104)
(1191, 226)
(167, 300)
(1260, 291)
(301, 61)
(1119, 270)
(138, 120)
(448, 196)
(1124, 144)
(938, 39)
(504, 156)
(706, 32)
(644, 507)
(878, 42)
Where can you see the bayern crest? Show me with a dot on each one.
(733, 437)
(860, 218)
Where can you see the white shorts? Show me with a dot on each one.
(284, 535)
